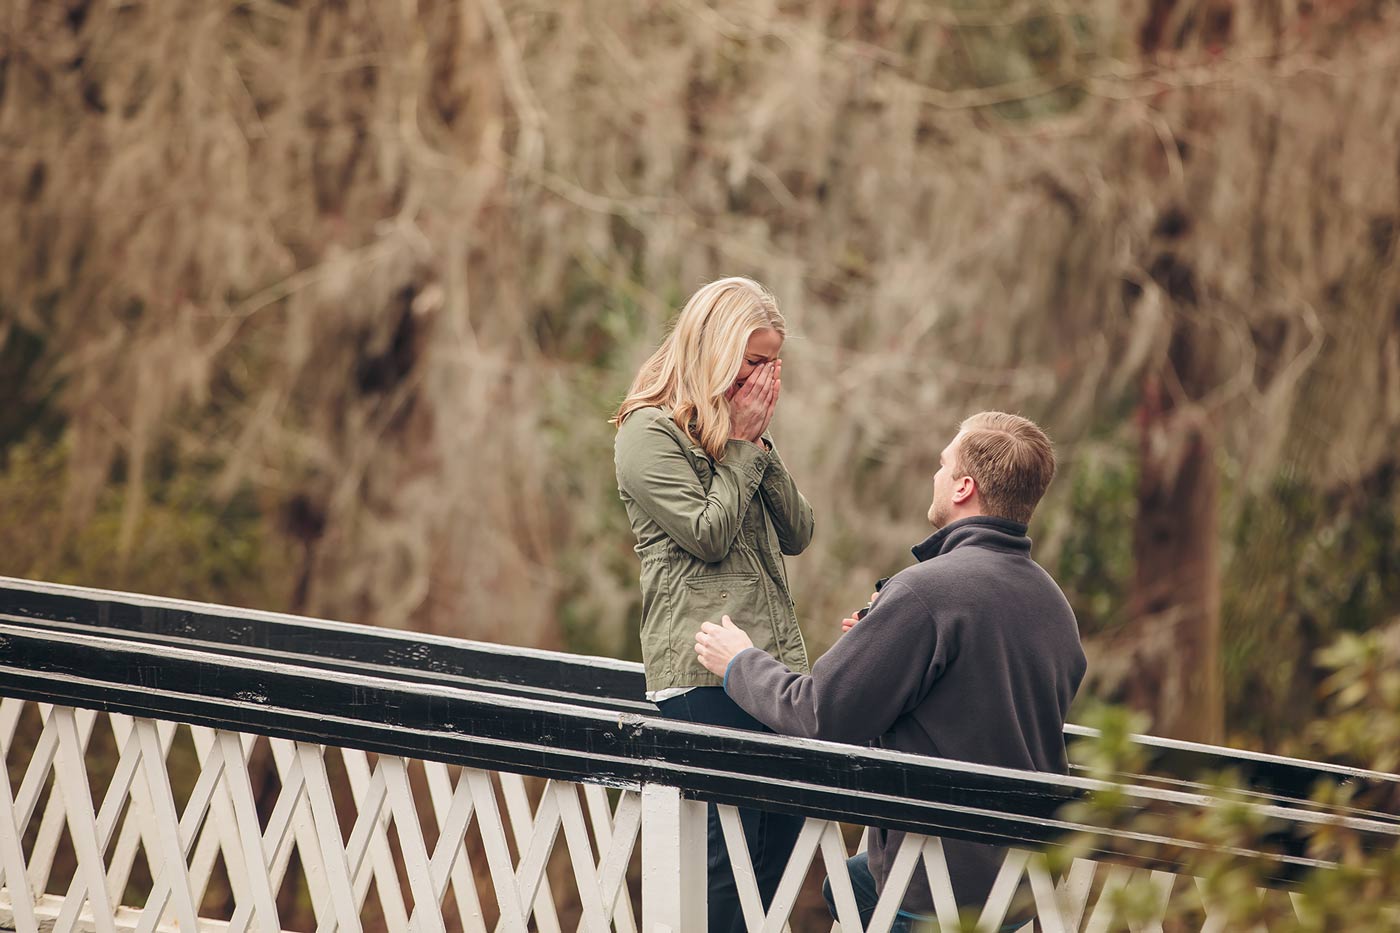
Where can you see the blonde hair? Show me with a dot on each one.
(1010, 459)
(700, 359)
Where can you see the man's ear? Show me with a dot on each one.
(964, 489)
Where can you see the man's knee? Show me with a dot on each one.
(830, 898)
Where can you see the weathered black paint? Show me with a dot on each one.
(334, 645)
(544, 675)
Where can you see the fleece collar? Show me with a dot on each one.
(976, 531)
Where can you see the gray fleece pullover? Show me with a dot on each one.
(971, 654)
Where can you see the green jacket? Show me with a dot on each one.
(710, 536)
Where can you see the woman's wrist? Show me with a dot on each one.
(748, 440)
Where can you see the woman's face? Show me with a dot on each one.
(764, 346)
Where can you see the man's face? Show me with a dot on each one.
(940, 511)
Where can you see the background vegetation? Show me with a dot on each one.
(323, 306)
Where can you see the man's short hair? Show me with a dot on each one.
(1011, 461)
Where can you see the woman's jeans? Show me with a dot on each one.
(770, 836)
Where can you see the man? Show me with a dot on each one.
(973, 653)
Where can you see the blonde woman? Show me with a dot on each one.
(714, 510)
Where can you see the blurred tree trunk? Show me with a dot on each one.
(1175, 599)
(1174, 602)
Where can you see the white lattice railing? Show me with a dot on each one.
(478, 847)
(219, 792)
(220, 822)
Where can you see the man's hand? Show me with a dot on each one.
(717, 645)
(850, 620)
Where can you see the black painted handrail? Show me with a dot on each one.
(255, 634)
(577, 743)
(603, 683)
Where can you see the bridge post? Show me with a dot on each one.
(673, 861)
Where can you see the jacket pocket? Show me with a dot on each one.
(711, 596)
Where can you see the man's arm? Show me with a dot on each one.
(877, 672)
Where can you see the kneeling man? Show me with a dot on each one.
(972, 653)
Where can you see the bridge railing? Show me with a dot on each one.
(392, 775)
(602, 683)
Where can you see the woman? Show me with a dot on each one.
(714, 510)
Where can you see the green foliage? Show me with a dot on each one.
(27, 386)
(1307, 565)
(1093, 531)
(1304, 565)
(1112, 751)
(1362, 693)
(599, 603)
(1006, 47)
(186, 544)
(1360, 722)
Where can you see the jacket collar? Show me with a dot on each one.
(978, 530)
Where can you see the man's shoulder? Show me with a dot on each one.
(977, 575)
(932, 581)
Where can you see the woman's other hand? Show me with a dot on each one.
(751, 409)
